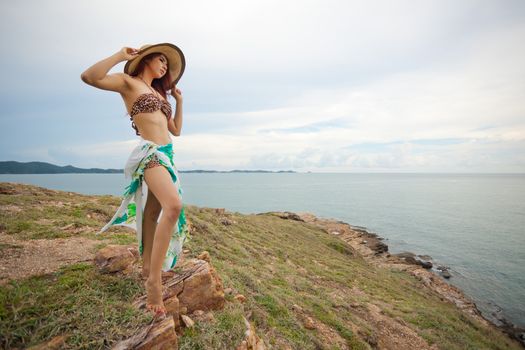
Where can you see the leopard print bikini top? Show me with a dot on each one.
(147, 103)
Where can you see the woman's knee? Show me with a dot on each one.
(172, 210)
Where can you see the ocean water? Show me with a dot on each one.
(472, 223)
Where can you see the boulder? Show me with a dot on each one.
(445, 273)
(188, 322)
(159, 334)
(190, 288)
(284, 215)
(115, 258)
(195, 285)
(411, 258)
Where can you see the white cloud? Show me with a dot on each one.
(106, 155)
(319, 82)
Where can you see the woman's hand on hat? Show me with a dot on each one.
(176, 93)
(129, 53)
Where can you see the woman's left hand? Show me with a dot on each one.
(176, 93)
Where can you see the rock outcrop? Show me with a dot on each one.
(414, 259)
(193, 287)
(196, 287)
(116, 258)
(159, 334)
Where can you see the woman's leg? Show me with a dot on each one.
(161, 185)
(151, 215)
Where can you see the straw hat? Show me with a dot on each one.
(175, 57)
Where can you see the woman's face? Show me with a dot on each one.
(159, 66)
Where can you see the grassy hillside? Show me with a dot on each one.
(305, 289)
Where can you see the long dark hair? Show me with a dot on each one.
(161, 85)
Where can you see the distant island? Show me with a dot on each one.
(14, 167)
(236, 171)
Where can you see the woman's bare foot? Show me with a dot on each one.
(154, 297)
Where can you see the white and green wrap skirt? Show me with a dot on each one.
(130, 212)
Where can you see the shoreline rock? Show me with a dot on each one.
(414, 259)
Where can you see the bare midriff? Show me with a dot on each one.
(153, 126)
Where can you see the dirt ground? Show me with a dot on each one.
(23, 258)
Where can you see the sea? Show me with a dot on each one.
(472, 223)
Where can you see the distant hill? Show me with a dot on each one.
(13, 167)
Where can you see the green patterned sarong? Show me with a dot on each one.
(130, 212)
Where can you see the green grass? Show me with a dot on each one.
(93, 309)
(225, 332)
(274, 263)
(242, 253)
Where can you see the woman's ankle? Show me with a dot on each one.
(154, 280)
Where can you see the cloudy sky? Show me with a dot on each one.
(322, 86)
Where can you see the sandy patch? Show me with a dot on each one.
(20, 258)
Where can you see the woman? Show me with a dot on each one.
(148, 74)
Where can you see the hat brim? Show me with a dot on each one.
(175, 57)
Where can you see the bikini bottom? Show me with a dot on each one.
(153, 162)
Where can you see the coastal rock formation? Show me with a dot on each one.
(414, 259)
(192, 287)
(371, 240)
(444, 271)
(195, 284)
(159, 334)
(365, 243)
(284, 215)
(115, 258)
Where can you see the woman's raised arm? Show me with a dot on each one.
(97, 76)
